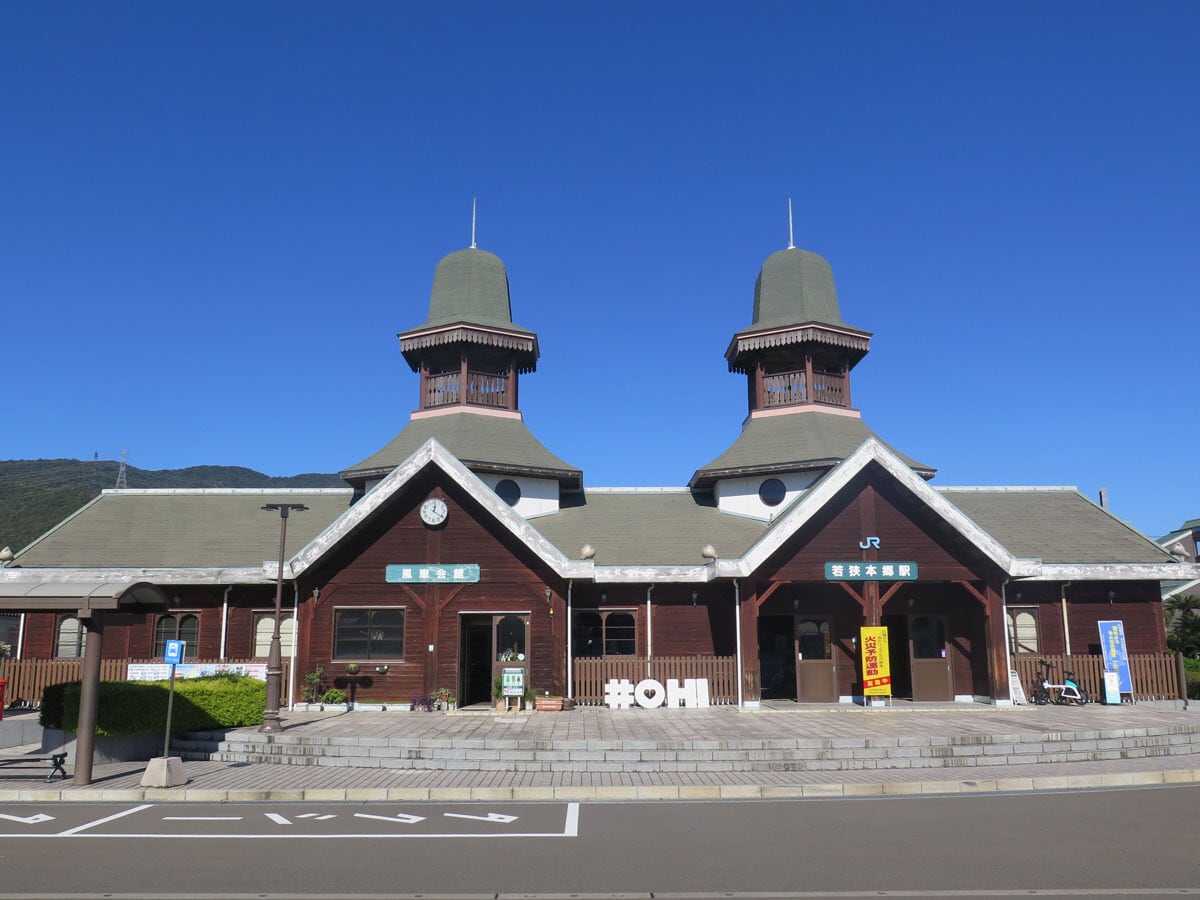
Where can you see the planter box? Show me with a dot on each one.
(126, 748)
(549, 704)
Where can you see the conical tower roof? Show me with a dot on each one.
(469, 304)
(470, 286)
(795, 286)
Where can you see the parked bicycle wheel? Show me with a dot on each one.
(1083, 697)
(1040, 696)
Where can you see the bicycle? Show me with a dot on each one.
(1068, 692)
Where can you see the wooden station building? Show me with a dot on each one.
(465, 546)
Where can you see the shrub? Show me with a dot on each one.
(334, 695)
(50, 714)
(1191, 672)
(140, 707)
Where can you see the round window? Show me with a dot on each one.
(772, 491)
(509, 491)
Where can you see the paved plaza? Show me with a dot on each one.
(1146, 744)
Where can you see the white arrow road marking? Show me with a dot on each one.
(31, 820)
(277, 818)
(490, 817)
(399, 817)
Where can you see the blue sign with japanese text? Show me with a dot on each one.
(431, 573)
(859, 570)
(1116, 657)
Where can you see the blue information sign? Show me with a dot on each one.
(1116, 657)
(173, 654)
(859, 570)
(429, 573)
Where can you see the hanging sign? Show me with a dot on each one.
(876, 662)
(423, 573)
(870, 571)
(1116, 657)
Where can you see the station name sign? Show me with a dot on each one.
(870, 571)
(423, 573)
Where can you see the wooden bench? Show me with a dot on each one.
(22, 760)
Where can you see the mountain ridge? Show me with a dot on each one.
(37, 494)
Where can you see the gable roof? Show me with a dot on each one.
(640, 535)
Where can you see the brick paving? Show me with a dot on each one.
(1112, 730)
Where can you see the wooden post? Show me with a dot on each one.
(1181, 675)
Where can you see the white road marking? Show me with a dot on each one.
(490, 817)
(399, 817)
(202, 818)
(30, 820)
(571, 829)
(277, 818)
(112, 818)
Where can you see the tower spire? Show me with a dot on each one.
(791, 240)
(473, 201)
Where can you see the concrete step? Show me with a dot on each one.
(754, 755)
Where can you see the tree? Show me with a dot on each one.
(1183, 614)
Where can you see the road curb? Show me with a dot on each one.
(606, 793)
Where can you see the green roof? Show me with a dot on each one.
(795, 286)
(647, 527)
(203, 528)
(1054, 525)
(470, 286)
(480, 441)
(793, 442)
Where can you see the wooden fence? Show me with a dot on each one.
(28, 677)
(592, 673)
(1155, 676)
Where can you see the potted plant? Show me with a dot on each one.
(498, 694)
(548, 702)
(528, 699)
(333, 697)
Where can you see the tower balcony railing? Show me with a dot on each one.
(482, 389)
(791, 388)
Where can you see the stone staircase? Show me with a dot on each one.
(740, 755)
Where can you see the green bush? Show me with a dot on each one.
(1191, 669)
(50, 713)
(140, 707)
(334, 695)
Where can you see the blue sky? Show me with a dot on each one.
(215, 217)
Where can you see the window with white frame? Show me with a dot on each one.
(71, 638)
(368, 632)
(1023, 629)
(264, 628)
(177, 626)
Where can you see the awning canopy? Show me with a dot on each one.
(78, 595)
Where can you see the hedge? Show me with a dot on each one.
(140, 707)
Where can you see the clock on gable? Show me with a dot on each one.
(434, 511)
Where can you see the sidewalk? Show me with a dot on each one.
(1123, 746)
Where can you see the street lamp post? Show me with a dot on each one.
(271, 721)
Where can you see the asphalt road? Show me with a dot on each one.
(1104, 843)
